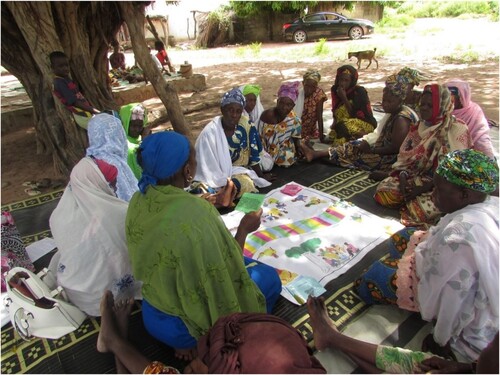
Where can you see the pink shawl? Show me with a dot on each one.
(473, 116)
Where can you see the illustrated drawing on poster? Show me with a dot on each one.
(312, 237)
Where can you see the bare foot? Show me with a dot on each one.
(324, 331)
(306, 151)
(122, 309)
(186, 354)
(226, 195)
(108, 332)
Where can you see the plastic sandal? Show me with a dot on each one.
(32, 192)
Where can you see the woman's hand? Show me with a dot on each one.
(364, 147)
(269, 177)
(341, 94)
(251, 221)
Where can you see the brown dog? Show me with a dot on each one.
(364, 55)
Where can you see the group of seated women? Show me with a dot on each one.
(127, 222)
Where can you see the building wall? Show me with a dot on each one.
(256, 28)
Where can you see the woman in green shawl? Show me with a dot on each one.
(192, 268)
(134, 120)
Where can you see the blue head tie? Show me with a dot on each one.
(163, 155)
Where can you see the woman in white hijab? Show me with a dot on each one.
(88, 226)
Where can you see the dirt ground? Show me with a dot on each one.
(223, 71)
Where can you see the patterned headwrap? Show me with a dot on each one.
(347, 69)
(312, 74)
(442, 105)
(251, 89)
(138, 112)
(412, 76)
(233, 96)
(289, 90)
(397, 86)
(107, 141)
(470, 169)
(163, 154)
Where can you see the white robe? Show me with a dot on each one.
(214, 165)
(457, 267)
(88, 226)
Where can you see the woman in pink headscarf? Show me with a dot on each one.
(472, 114)
(280, 128)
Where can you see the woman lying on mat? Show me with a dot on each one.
(229, 147)
(280, 128)
(450, 273)
(270, 345)
(193, 271)
(352, 111)
(380, 358)
(88, 224)
(409, 185)
(377, 150)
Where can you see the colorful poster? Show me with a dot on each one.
(314, 235)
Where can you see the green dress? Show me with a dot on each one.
(190, 264)
(132, 143)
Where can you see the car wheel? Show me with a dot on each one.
(300, 36)
(355, 32)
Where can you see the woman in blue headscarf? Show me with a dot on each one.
(229, 148)
(193, 271)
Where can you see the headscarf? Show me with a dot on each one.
(162, 154)
(246, 343)
(347, 69)
(88, 226)
(470, 169)
(397, 86)
(251, 89)
(312, 74)
(233, 96)
(289, 90)
(442, 105)
(107, 141)
(412, 76)
(472, 114)
(133, 111)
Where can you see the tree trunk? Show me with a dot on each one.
(25, 49)
(133, 15)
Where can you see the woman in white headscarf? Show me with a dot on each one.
(88, 226)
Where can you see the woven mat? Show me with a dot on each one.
(76, 352)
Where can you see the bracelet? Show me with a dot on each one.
(404, 173)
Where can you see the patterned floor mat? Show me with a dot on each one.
(76, 352)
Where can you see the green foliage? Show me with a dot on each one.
(436, 8)
(255, 48)
(249, 50)
(219, 17)
(397, 20)
(320, 48)
(250, 8)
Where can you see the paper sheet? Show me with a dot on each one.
(250, 202)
